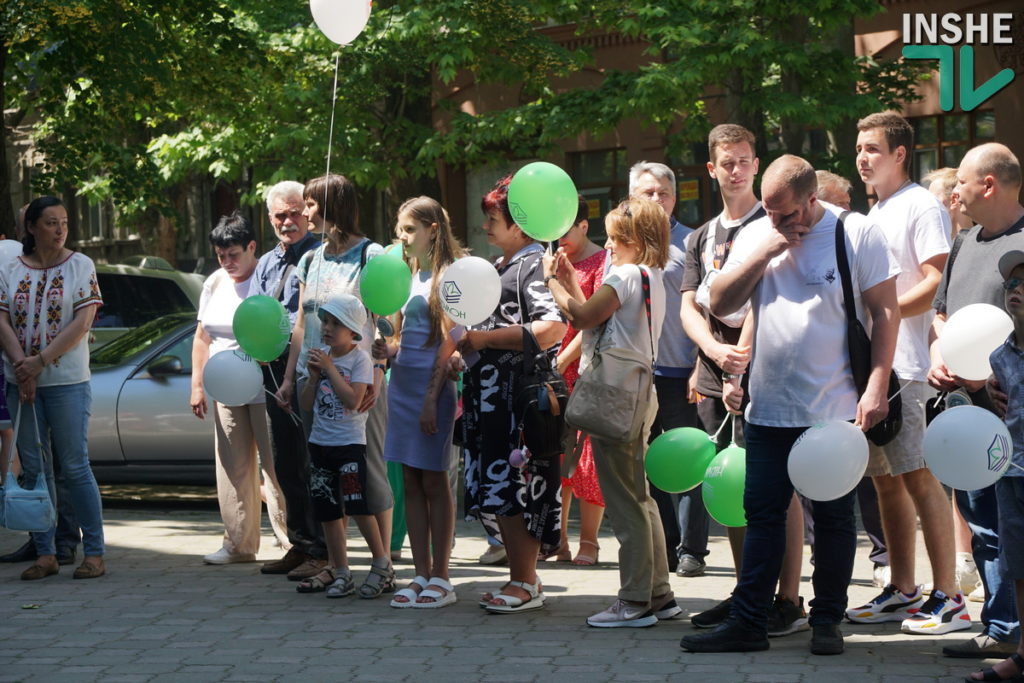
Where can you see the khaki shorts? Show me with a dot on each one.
(905, 453)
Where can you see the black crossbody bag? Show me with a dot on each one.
(859, 346)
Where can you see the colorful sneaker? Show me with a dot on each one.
(940, 614)
(785, 617)
(891, 605)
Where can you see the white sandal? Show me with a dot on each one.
(409, 593)
(440, 599)
(514, 603)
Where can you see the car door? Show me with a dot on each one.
(154, 419)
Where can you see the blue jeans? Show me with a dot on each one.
(62, 416)
(766, 498)
(981, 512)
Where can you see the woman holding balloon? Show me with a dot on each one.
(421, 402)
(338, 266)
(626, 311)
(241, 437)
(524, 499)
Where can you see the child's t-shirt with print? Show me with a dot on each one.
(333, 423)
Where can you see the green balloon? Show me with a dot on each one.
(385, 284)
(261, 327)
(677, 459)
(723, 487)
(543, 201)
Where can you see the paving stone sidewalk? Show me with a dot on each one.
(161, 615)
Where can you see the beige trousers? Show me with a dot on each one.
(643, 563)
(242, 442)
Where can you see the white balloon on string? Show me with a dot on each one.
(340, 20)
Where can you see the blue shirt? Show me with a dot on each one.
(271, 267)
(676, 353)
(1008, 367)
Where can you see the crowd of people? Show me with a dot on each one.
(742, 319)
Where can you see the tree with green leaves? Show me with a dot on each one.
(135, 99)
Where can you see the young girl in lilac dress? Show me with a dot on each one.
(421, 403)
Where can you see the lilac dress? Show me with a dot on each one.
(410, 374)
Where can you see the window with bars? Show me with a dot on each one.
(942, 140)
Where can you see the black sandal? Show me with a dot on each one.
(991, 675)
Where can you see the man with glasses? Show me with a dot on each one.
(275, 277)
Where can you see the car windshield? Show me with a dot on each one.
(136, 340)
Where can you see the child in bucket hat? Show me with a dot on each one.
(339, 376)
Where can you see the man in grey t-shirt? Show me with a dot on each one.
(988, 185)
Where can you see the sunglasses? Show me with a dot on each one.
(1013, 283)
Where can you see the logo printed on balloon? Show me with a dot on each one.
(451, 292)
(998, 452)
(518, 215)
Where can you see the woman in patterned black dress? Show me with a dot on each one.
(526, 501)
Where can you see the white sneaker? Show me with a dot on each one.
(223, 556)
(623, 615)
(882, 576)
(966, 573)
(978, 594)
(495, 554)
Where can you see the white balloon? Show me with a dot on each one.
(970, 335)
(9, 250)
(232, 378)
(967, 447)
(340, 20)
(828, 460)
(470, 290)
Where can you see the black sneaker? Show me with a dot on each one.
(714, 616)
(785, 617)
(728, 637)
(826, 639)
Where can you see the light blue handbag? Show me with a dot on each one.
(26, 509)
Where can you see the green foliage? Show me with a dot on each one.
(133, 97)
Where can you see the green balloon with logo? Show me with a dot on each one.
(261, 327)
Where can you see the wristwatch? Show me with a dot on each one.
(549, 277)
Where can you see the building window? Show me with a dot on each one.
(602, 177)
(95, 220)
(943, 140)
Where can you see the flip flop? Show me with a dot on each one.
(440, 599)
(409, 594)
(514, 603)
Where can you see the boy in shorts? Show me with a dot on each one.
(1008, 371)
(339, 375)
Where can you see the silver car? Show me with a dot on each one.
(142, 428)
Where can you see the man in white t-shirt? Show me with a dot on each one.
(917, 229)
(800, 376)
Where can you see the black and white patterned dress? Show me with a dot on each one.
(493, 485)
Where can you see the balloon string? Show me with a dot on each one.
(902, 387)
(327, 176)
(728, 417)
(287, 412)
(1013, 464)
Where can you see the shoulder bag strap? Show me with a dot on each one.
(844, 269)
(645, 281)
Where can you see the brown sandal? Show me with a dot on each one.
(89, 570)
(317, 583)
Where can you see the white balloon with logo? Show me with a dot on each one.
(970, 336)
(232, 378)
(967, 447)
(828, 460)
(470, 290)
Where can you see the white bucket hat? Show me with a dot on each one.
(349, 311)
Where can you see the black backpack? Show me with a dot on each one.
(540, 400)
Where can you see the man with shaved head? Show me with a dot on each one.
(987, 188)
(800, 376)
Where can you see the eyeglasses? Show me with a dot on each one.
(1013, 283)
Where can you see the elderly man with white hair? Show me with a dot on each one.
(275, 277)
